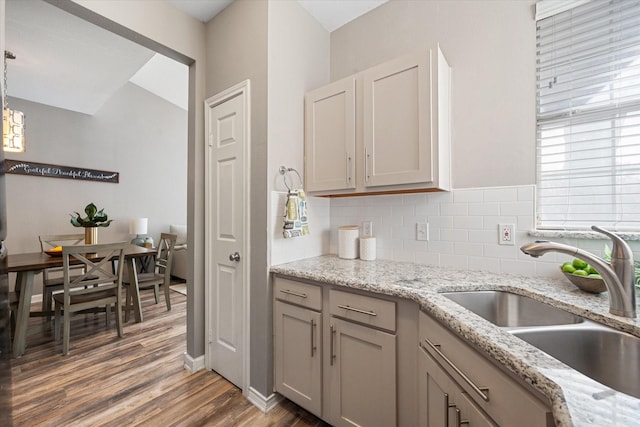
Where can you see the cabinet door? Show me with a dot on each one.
(362, 375)
(397, 122)
(436, 406)
(467, 413)
(442, 403)
(298, 369)
(330, 115)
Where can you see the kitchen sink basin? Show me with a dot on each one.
(603, 354)
(506, 309)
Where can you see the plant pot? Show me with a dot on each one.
(90, 235)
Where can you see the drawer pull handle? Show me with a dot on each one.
(481, 391)
(295, 294)
(357, 310)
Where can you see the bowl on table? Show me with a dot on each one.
(54, 252)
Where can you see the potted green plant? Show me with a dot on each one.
(95, 218)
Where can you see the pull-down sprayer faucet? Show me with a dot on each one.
(618, 276)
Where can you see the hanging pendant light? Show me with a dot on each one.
(13, 139)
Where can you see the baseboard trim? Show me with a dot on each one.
(193, 364)
(265, 404)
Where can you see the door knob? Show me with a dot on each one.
(234, 257)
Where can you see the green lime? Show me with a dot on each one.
(568, 268)
(580, 273)
(591, 271)
(579, 264)
(595, 276)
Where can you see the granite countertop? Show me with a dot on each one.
(575, 398)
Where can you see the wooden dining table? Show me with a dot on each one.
(27, 265)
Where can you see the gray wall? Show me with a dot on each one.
(237, 50)
(136, 133)
(183, 41)
(490, 46)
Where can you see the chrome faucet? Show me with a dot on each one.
(618, 276)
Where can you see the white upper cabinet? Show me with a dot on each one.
(397, 122)
(330, 136)
(401, 117)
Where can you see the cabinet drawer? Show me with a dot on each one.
(299, 293)
(363, 309)
(493, 390)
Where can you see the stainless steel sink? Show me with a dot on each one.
(511, 310)
(606, 355)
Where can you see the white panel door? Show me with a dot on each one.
(226, 231)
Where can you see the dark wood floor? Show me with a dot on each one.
(135, 380)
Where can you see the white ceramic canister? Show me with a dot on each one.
(348, 241)
(368, 248)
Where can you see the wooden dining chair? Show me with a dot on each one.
(160, 276)
(52, 280)
(99, 286)
(14, 298)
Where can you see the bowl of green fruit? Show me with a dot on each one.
(584, 276)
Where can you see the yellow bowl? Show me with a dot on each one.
(585, 283)
(53, 253)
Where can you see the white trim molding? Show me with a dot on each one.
(193, 364)
(264, 403)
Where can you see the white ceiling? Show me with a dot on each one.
(332, 14)
(68, 63)
(202, 10)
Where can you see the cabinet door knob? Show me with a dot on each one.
(234, 257)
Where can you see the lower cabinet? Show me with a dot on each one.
(335, 353)
(459, 386)
(442, 402)
(361, 375)
(349, 357)
(298, 349)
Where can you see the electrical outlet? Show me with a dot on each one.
(367, 228)
(506, 234)
(422, 231)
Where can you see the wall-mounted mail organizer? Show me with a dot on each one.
(285, 172)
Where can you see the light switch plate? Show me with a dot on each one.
(422, 231)
(367, 228)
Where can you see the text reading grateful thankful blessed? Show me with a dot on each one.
(57, 171)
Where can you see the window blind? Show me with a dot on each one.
(588, 117)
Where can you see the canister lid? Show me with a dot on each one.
(349, 227)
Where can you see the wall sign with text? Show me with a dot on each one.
(57, 171)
